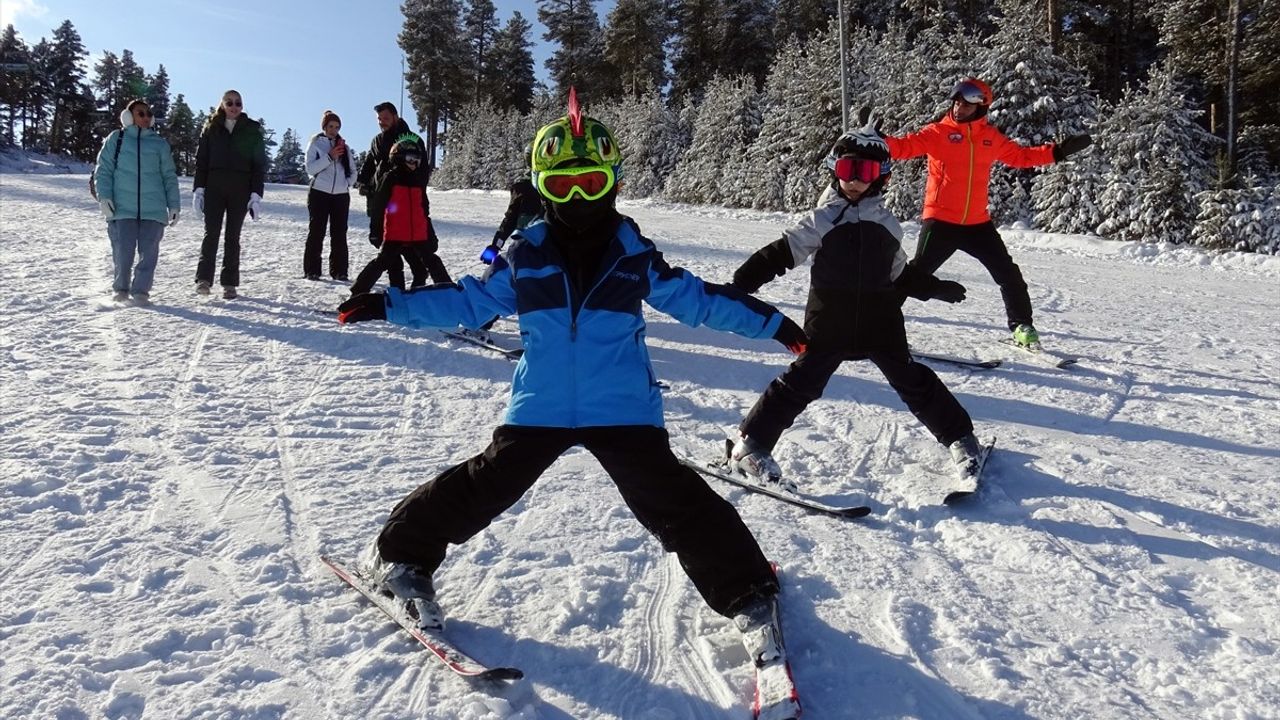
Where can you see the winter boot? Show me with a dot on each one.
(228, 292)
(1026, 335)
(409, 585)
(761, 632)
(120, 296)
(202, 287)
(756, 464)
(142, 299)
(965, 454)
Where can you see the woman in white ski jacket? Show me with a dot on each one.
(333, 172)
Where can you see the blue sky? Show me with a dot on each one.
(290, 59)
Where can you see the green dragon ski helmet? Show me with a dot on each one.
(574, 137)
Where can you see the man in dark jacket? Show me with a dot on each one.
(857, 285)
(393, 130)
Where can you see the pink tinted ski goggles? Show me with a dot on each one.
(850, 168)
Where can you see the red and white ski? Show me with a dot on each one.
(441, 647)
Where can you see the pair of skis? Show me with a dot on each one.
(776, 697)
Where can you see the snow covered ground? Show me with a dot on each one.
(170, 476)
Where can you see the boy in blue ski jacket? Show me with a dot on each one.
(576, 280)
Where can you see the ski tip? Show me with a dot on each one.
(855, 512)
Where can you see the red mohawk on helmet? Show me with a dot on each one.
(575, 113)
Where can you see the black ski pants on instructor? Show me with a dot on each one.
(673, 502)
(329, 209)
(940, 240)
(806, 378)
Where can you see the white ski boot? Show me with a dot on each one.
(410, 586)
(966, 455)
(776, 697)
(757, 465)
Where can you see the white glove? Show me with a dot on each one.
(108, 208)
(173, 216)
(255, 202)
(197, 200)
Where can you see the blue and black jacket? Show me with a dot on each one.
(585, 362)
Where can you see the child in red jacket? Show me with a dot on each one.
(407, 232)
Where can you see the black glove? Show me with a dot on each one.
(791, 336)
(948, 291)
(362, 189)
(365, 306)
(1070, 146)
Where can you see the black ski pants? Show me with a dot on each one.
(940, 240)
(388, 260)
(673, 502)
(326, 209)
(806, 378)
(234, 205)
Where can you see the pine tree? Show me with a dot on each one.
(695, 47)
(1039, 98)
(725, 124)
(72, 112)
(801, 112)
(801, 19)
(652, 140)
(485, 148)
(133, 81)
(431, 40)
(746, 39)
(268, 142)
(158, 95)
(106, 79)
(513, 65)
(182, 132)
(480, 24)
(635, 38)
(15, 83)
(579, 58)
(1159, 160)
(288, 165)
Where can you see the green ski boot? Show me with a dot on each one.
(1026, 335)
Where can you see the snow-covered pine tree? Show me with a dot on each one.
(1159, 159)
(1038, 98)
(288, 162)
(725, 124)
(651, 140)
(801, 119)
(1232, 218)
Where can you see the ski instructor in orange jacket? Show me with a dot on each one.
(962, 147)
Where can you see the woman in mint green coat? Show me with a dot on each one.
(137, 188)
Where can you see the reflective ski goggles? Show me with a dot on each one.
(589, 183)
(969, 92)
(849, 168)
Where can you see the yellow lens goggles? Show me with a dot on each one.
(589, 183)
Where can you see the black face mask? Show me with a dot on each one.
(580, 215)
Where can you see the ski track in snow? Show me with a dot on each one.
(171, 475)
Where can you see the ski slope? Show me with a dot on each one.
(170, 476)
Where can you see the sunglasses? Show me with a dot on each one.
(411, 159)
(233, 103)
(143, 113)
(849, 169)
(589, 183)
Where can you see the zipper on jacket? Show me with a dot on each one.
(968, 186)
(139, 154)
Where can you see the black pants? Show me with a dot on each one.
(714, 546)
(805, 379)
(234, 205)
(388, 260)
(939, 241)
(326, 209)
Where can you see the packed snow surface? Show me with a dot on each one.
(170, 476)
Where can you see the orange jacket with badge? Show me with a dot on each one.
(960, 160)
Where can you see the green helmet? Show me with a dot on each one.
(574, 137)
